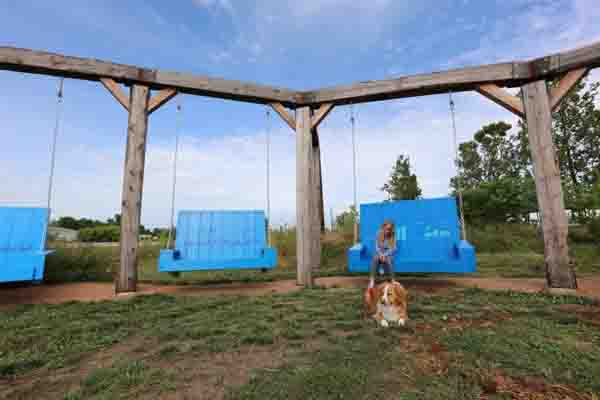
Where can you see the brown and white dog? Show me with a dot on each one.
(387, 303)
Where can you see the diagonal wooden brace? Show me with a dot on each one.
(502, 98)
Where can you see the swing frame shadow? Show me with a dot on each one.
(311, 108)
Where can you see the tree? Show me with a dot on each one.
(345, 221)
(402, 185)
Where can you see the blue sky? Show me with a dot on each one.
(296, 44)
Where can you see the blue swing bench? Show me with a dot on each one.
(219, 240)
(427, 237)
(22, 243)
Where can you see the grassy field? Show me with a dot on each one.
(502, 250)
(312, 344)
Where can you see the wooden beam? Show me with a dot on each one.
(307, 227)
(502, 98)
(565, 61)
(559, 273)
(114, 89)
(417, 85)
(511, 74)
(568, 82)
(284, 114)
(41, 62)
(320, 114)
(133, 182)
(160, 99)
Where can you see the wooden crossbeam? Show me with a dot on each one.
(161, 98)
(511, 74)
(502, 98)
(118, 93)
(568, 82)
(45, 63)
(284, 114)
(320, 114)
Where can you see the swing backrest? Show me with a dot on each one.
(23, 229)
(221, 235)
(425, 229)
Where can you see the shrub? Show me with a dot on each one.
(594, 229)
(76, 264)
(107, 233)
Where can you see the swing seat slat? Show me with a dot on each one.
(22, 243)
(219, 240)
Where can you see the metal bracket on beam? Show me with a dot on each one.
(502, 98)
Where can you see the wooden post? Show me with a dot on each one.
(133, 181)
(318, 226)
(559, 274)
(307, 228)
(319, 179)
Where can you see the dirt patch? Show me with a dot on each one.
(54, 384)
(527, 388)
(588, 314)
(210, 376)
(89, 291)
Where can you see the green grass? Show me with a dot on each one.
(159, 344)
(509, 250)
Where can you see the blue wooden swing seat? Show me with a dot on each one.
(219, 240)
(427, 237)
(22, 243)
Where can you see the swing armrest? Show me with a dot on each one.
(358, 248)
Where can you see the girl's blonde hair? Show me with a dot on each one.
(381, 236)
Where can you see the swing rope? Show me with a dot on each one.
(268, 151)
(175, 155)
(463, 226)
(353, 123)
(59, 110)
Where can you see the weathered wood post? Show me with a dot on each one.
(318, 178)
(319, 222)
(306, 207)
(133, 182)
(559, 273)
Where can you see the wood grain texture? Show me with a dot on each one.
(116, 91)
(41, 62)
(133, 182)
(319, 181)
(416, 85)
(566, 84)
(503, 98)
(284, 114)
(320, 114)
(511, 74)
(306, 206)
(161, 98)
(548, 186)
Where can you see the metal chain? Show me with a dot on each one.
(457, 166)
(59, 110)
(175, 156)
(354, 186)
(268, 150)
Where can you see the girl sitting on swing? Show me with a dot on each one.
(385, 247)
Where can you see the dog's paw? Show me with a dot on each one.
(384, 323)
(401, 322)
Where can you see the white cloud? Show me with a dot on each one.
(213, 4)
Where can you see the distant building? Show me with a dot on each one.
(67, 235)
